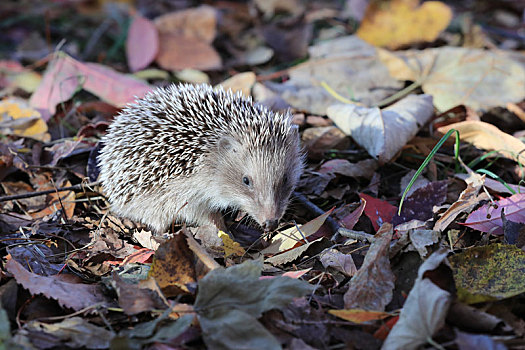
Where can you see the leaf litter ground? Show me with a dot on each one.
(347, 268)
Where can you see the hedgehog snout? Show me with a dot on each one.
(270, 225)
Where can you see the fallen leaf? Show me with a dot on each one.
(466, 341)
(145, 239)
(488, 137)
(294, 253)
(496, 185)
(360, 316)
(488, 217)
(348, 65)
(186, 38)
(142, 43)
(64, 76)
(424, 311)
(134, 299)
(76, 296)
(489, 273)
(198, 23)
(460, 76)
(402, 22)
(242, 82)
(17, 118)
(73, 332)
(371, 287)
(287, 239)
(467, 200)
(230, 246)
(230, 300)
(177, 52)
(173, 266)
(379, 212)
(422, 240)
(364, 168)
(419, 205)
(383, 133)
(339, 261)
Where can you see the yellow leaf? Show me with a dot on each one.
(17, 118)
(487, 273)
(488, 137)
(174, 266)
(359, 316)
(230, 246)
(402, 22)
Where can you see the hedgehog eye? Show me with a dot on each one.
(246, 181)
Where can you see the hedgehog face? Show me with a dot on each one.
(258, 180)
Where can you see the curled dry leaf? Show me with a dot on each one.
(371, 287)
(424, 311)
(495, 186)
(401, 22)
(467, 200)
(383, 133)
(488, 137)
(458, 75)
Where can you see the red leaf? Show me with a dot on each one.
(142, 43)
(378, 211)
(65, 76)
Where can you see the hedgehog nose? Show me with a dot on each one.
(270, 224)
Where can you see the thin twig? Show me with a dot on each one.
(80, 186)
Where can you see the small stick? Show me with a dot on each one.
(42, 193)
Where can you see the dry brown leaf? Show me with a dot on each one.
(467, 200)
(199, 23)
(371, 287)
(397, 23)
(488, 137)
(177, 52)
(339, 261)
(76, 296)
(186, 39)
(240, 82)
(174, 266)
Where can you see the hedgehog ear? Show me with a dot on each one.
(226, 144)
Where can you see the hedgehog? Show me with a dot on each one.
(188, 153)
